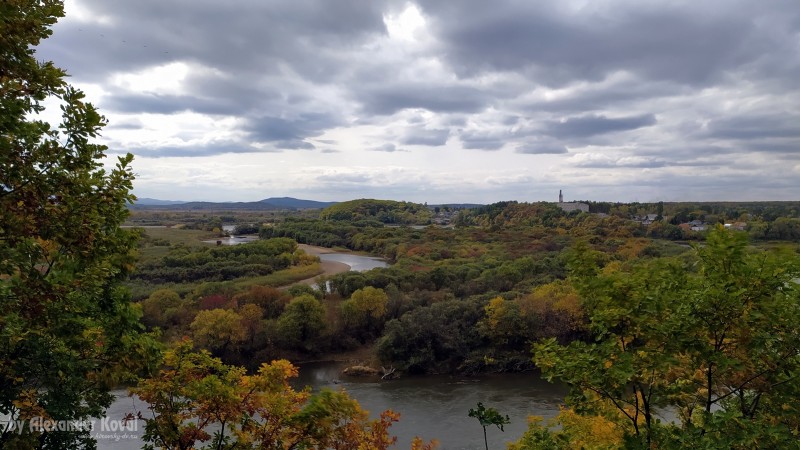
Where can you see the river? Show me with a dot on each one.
(430, 407)
(357, 263)
(437, 406)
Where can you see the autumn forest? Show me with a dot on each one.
(671, 324)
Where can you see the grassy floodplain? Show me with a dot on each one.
(158, 243)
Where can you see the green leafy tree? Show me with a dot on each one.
(437, 338)
(299, 289)
(503, 324)
(715, 341)
(302, 322)
(161, 308)
(488, 417)
(271, 300)
(364, 313)
(67, 332)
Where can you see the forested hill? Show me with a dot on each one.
(385, 211)
(511, 213)
(296, 203)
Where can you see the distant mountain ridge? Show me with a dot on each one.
(272, 203)
(144, 201)
(296, 203)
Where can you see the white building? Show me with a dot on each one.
(571, 206)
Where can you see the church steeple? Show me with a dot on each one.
(560, 197)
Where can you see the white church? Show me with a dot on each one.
(571, 206)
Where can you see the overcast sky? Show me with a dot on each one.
(444, 101)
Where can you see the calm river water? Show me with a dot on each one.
(437, 406)
(429, 407)
(356, 262)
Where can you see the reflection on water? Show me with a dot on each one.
(356, 262)
(233, 240)
(437, 406)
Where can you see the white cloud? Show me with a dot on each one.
(409, 25)
(475, 101)
(163, 79)
(78, 12)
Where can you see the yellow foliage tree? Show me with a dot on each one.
(195, 393)
(558, 306)
(217, 329)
